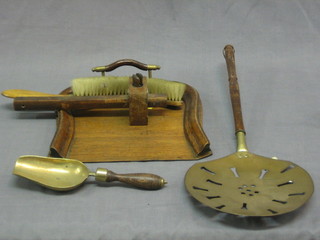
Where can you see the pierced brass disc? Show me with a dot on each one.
(250, 185)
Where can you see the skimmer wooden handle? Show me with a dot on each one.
(234, 88)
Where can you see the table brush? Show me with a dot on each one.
(102, 91)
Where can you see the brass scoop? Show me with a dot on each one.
(63, 174)
(244, 183)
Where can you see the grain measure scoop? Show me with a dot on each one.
(63, 174)
(244, 183)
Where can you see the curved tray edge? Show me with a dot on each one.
(193, 123)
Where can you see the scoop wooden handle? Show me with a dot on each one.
(141, 180)
(234, 88)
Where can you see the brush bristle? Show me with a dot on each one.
(95, 86)
(173, 90)
(114, 85)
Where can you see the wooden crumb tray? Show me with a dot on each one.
(104, 135)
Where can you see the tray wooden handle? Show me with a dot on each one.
(126, 62)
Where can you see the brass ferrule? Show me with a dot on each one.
(101, 175)
(241, 142)
(153, 67)
(99, 69)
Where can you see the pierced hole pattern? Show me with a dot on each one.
(234, 171)
(248, 190)
(287, 168)
(296, 194)
(201, 189)
(244, 206)
(285, 183)
(263, 173)
(214, 182)
(207, 170)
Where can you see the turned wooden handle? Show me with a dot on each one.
(141, 180)
(234, 88)
(125, 62)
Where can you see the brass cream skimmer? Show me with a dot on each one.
(244, 183)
